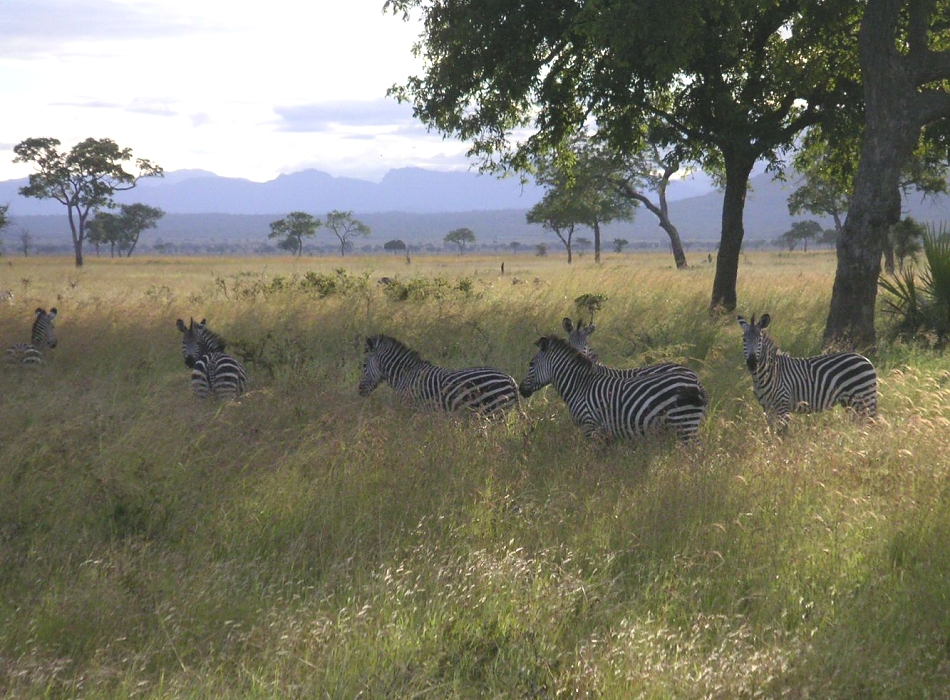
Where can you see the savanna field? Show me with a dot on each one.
(304, 542)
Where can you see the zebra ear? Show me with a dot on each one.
(180, 325)
(568, 324)
(591, 327)
(370, 344)
(742, 322)
(52, 313)
(542, 342)
(764, 321)
(39, 311)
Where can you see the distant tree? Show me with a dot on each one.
(393, 246)
(122, 231)
(4, 221)
(556, 212)
(344, 227)
(292, 229)
(584, 244)
(515, 246)
(84, 179)
(26, 242)
(541, 250)
(802, 232)
(460, 237)
(620, 244)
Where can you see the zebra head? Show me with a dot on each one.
(752, 346)
(372, 373)
(552, 358)
(43, 333)
(579, 336)
(198, 340)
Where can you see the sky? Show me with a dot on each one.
(243, 88)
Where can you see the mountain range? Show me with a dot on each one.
(416, 205)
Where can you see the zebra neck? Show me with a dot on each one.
(406, 367)
(570, 381)
(766, 370)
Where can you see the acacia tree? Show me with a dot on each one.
(292, 229)
(591, 177)
(460, 237)
(122, 230)
(555, 212)
(83, 179)
(344, 227)
(721, 83)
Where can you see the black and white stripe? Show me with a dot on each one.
(609, 405)
(483, 390)
(42, 336)
(578, 337)
(213, 371)
(784, 384)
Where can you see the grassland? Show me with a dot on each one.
(304, 542)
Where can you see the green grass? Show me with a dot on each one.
(306, 542)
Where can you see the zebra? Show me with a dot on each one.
(578, 337)
(483, 390)
(783, 384)
(607, 405)
(42, 336)
(213, 371)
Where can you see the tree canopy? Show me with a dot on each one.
(84, 179)
(460, 237)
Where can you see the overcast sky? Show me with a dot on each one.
(243, 88)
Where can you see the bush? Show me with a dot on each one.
(920, 301)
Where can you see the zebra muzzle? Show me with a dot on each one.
(751, 363)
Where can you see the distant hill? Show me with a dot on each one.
(206, 211)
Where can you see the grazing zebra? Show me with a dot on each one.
(483, 390)
(42, 336)
(608, 405)
(213, 371)
(784, 384)
(578, 336)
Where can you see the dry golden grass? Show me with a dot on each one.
(305, 542)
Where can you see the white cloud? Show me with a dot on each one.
(239, 87)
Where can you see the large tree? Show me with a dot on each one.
(83, 179)
(722, 83)
(904, 69)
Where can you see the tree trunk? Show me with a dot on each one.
(891, 130)
(662, 213)
(596, 228)
(738, 168)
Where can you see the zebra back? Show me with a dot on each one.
(578, 337)
(784, 384)
(609, 405)
(483, 390)
(42, 336)
(213, 371)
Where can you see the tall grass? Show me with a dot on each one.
(305, 542)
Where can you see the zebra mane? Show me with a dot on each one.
(547, 341)
(374, 341)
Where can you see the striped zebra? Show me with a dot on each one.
(42, 336)
(213, 371)
(783, 384)
(578, 336)
(484, 390)
(608, 405)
